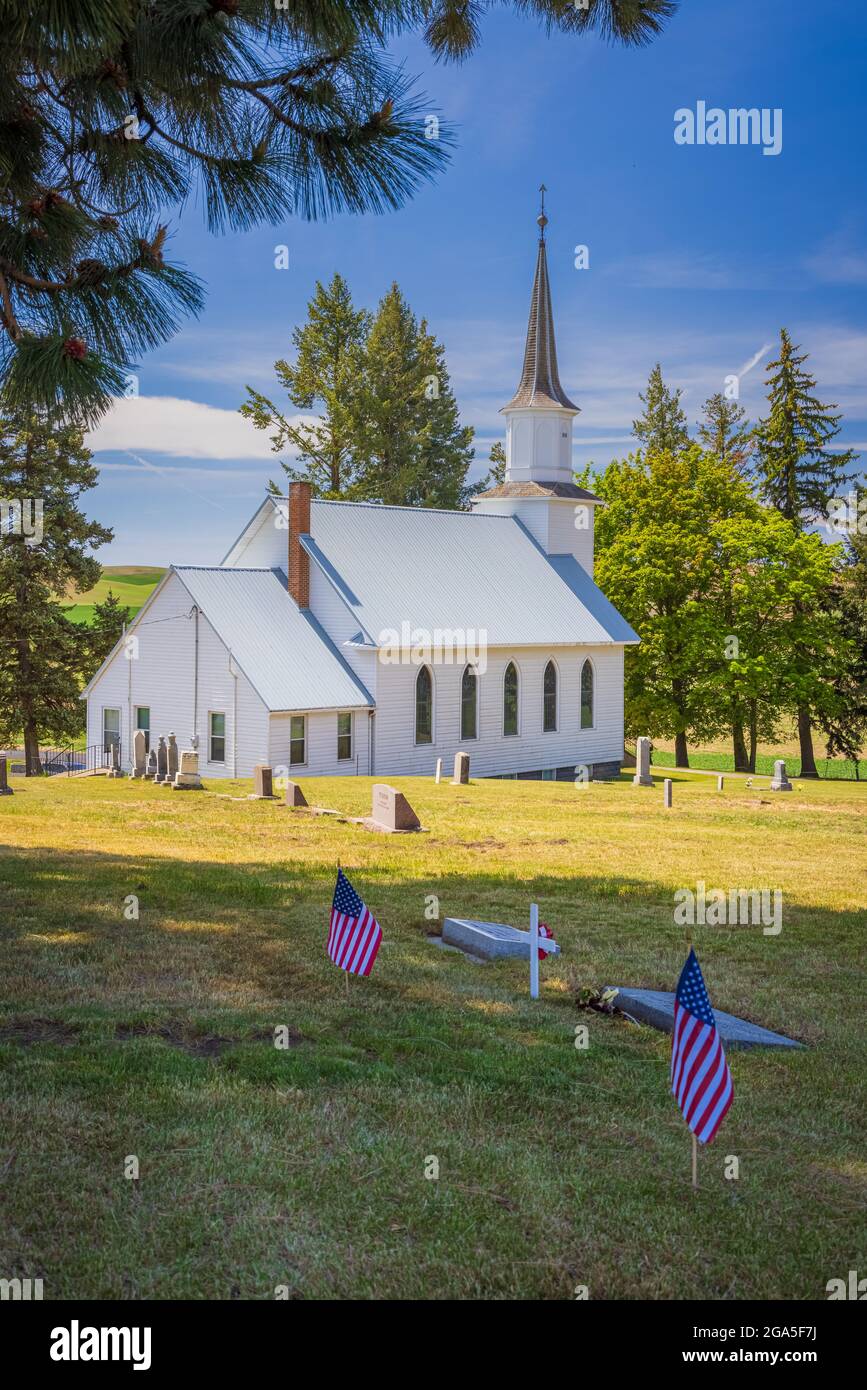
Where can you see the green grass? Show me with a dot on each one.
(305, 1167)
(131, 585)
(843, 769)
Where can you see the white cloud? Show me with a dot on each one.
(181, 428)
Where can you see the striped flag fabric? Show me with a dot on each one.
(700, 1078)
(354, 935)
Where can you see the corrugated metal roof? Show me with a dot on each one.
(283, 651)
(442, 570)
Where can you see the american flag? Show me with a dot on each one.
(354, 936)
(700, 1076)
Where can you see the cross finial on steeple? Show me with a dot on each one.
(542, 219)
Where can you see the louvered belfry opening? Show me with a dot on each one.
(299, 560)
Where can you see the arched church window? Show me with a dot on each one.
(587, 695)
(424, 706)
(549, 699)
(510, 699)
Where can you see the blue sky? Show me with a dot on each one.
(698, 255)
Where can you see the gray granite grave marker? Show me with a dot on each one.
(294, 795)
(779, 781)
(139, 753)
(642, 776)
(187, 777)
(152, 768)
(5, 789)
(390, 809)
(666, 792)
(462, 769)
(162, 760)
(656, 1007)
(263, 782)
(492, 940)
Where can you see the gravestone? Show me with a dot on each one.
(656, 1007)
(462, 769)
(439, 771)
(720, 783)
(391, 811)
(171, 761)
(5, 789)
(294, 795)
(139, 753)
(162, 760)
(151, 768)
(114, 766)
(780, 782)
(187, 777)
(263, 782)
(666, 792)
(492, 940)
(642, 776)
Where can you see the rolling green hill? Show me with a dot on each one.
(132, 585)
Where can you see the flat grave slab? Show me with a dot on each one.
(656, 1007)
(492, 940)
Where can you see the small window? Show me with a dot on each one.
(587, 695)
(548, 774)
(510, 699)
(549, 699)
(344, 737)
(110, 729)
(469, 703)
(296, 739)
(143, 722)
(217, 750)
(424, 706)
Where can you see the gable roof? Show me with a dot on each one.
(441, 570)
(283, 651)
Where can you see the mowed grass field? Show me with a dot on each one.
(130, 584)
(304, 1169)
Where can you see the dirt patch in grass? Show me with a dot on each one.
(27, 1031)
(177, 1034)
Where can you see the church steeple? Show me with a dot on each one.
(539, 386)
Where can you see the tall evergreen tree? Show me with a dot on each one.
(411, 446)
(846, 728)
(663, 425)
(112, 112)
(103, 633)
(42, 653)
(721, 430)
(326, 374)
(797, 473)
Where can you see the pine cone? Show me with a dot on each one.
(90, 272)
(76, 348)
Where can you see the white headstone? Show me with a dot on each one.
(666, 791)
(642, 776)
(779, 781)
(439, 772)
(139, 753)
(720, 783)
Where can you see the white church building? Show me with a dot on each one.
(348, 637)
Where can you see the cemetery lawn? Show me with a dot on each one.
(305, 1167)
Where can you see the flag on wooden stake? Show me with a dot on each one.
(354, 935)
(700, 1076)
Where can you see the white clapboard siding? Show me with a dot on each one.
(341, 625)
(493, 752)
(161, 677)
(264, 544)
(320, 751)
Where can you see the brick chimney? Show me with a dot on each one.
(299, 560)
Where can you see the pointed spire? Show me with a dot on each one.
(540, 382)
